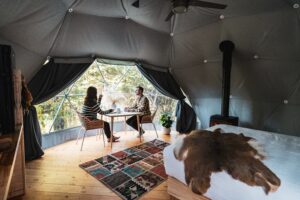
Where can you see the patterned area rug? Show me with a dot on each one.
(132, 172)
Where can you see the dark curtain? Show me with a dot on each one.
(32, 135)
(165, 83)
(52, 78)
(7, 119)
(55, 77)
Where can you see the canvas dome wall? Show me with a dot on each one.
(266, 62)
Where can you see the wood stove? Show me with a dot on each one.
(227, 48)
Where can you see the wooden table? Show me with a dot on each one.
(123, 114)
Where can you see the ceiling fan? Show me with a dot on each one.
(181, 6)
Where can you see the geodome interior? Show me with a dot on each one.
(265, 79)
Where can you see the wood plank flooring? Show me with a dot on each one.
(57, 176)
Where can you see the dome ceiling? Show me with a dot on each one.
(266, 61)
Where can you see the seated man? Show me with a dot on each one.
(141, 104)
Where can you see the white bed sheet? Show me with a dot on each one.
(283, 158)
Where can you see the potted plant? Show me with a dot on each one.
(166, 122)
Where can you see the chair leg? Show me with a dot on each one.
(103, 137)
(83, 140)
(97, 134)
(78, 134)
(155, 129)
(140, 133)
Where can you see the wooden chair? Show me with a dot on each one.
(148, 119)
(87, 124)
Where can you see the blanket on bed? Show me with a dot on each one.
(204, 152)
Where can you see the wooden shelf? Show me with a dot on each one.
(12, 168)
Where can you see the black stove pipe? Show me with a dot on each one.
(227, 48)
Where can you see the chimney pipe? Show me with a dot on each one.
(227, 48)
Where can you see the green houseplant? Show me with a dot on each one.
(166, 122)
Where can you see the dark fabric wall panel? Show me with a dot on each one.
(205, 107)
(285, 119)
(109, 8)
(7, 103)
(271, 35)
(44, 19)
(280, 117)
(264, 80)
(193, 47)
(151, 14)
(27, 61)
(116, 39)
(271, 116)
(201, 81)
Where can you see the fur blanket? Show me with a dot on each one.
(205, 152)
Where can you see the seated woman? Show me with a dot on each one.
(92, 106)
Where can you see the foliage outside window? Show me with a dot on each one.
(117, 83)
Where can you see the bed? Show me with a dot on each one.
(283, 158)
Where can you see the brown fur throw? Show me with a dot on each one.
(205, 152)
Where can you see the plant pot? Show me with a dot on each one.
(166, 131)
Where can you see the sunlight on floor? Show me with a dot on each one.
(57, 175)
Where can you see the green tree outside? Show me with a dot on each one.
(116, 82)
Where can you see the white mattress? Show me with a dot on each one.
(283, 158)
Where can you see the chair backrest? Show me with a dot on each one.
(83, 119)
(90, 124)
(86, 122)
(154, 113)
(149, 118)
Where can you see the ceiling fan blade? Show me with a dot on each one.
(136, 4)
(169, 16)
(207, 4)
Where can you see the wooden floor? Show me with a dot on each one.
(57, 175)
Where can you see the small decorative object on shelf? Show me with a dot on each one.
(166, 122)
(17, 87)
(5, 144)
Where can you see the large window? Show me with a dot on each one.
(117, 83)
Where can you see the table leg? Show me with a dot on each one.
(125, 124)
(111, 130)
(139, 128)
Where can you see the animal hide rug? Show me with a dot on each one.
(204, 152)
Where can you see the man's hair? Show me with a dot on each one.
(140, 88)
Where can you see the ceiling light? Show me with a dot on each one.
(179, 9)
(171, 34)
(296, 5)
(255, 56)
(180, 6)
(222, 16)
(70, 10)
(47, 60)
